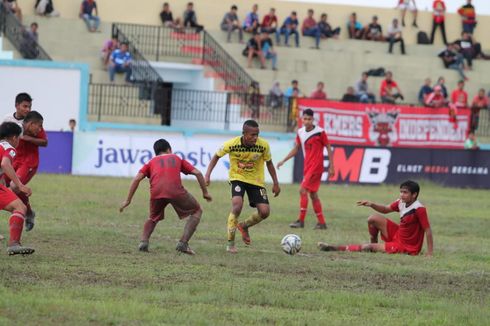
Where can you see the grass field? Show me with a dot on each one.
(87, 269)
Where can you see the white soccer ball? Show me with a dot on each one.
(291, 244)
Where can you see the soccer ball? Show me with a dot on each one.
(291, 244)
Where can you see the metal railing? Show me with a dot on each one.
(18, 35)
(190, 108)
(156, 42)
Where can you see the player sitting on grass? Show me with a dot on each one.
(406, 237)
(166, 188)
(9, 139)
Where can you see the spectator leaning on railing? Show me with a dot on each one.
(28, 46)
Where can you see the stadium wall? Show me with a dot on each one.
(210, 14)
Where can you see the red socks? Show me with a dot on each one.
(349, 248)
(317, 206)
(16, 223)
(148, 229)
(303, 206)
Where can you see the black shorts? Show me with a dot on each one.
(256, 195)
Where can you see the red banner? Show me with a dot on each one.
(388, 125)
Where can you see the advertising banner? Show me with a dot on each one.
(56, 157)
(123, 154)
(385, 125)
(369, 165)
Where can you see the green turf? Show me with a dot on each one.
(87, 269)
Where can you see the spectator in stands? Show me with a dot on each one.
(254, 49)
(326, 30)
(167, 17)
(109, 47)
(87, 10)
(435, 99)
(362, 90)
(293, 88)
(468, 15)
(425, 90)
(230, 23)
(438, 18)
(459, 97)
(269, 23)
(318, 93)
(28, 46)
(253, 100)
(350, 96)
(251, 23)
(45, 8)
(268, 49)
(290, 26)
(471, 142)
(480, 102)
(389, 90)
(14, 8)
(405, 5)
(374, 31)
(441, 81)
(190, 18)
(121, 62)
(310, 28)
(395, 35)
(72, 124)
(275, 96)
(354, 27)
(452, 59)
(469, 49)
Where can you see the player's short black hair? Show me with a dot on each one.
(412, 186)
(250, 123)
(33, 116)
(23, 97)
(234, 7)
(308, 112)
(161, 146)
(9, 129)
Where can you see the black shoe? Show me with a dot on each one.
(184, 248)
(143, 246)
(297, 225)
(325, 247)
(320, 226)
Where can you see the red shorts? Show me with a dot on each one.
(6, 196)
(24, 172)
(392, 244)
(312, 181)
(184, 206)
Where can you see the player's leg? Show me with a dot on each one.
(157, 213)
(303, 209)
(368, 247)
(187, 206)
(317, 207)
(25, 174)
(257, 197)
(12, 204)
(237, 193)
(377, 223)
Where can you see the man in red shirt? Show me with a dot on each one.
(9, 139)
(269, 23)
(318, 93)
(312, 140)
(389, 90)
(459, 97)
(406, 237)
(166, 188)
(310, 28)
(436, 98)
(438, 18)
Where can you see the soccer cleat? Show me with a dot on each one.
(143, 246)
(326, 247)
(18, 249)
(30, 221)
(320, 226)
(231, 249)
(298, 224)
(184, 248)
(244, 231)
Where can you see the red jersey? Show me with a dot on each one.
(164, 174)
(318, 95)
(6, 150)
(312, 142)
(439, 8)
(28, 153)
(459, 98)
(413, 223)
(385, 85)
(268, 21)
(479, 103)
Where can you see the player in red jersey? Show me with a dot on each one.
(166, 188)
(311, 139)
(9, 138)
(406, 237)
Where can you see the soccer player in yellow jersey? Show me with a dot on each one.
(247, 153)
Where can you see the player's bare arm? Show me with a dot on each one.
(383, 209)
(430, 242)
(331, 169)
(211, 166)
(202, 184)
(275, 183)
(36, 141)
(291, 154)
(132, 189)
(9, 171)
